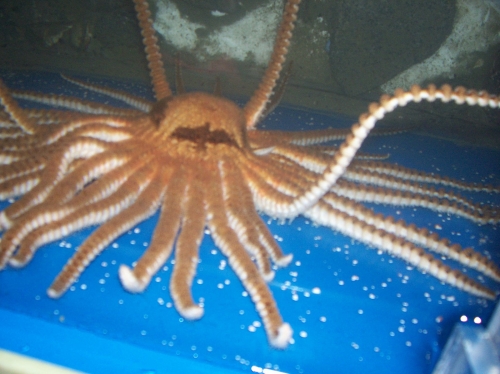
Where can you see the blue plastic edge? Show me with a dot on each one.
(91, 353)
(472, 349)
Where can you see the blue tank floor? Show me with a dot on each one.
(352, 310)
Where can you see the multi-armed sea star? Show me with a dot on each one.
(200, 160)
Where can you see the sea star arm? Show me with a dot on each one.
(143, 207)
(85, 125)
(155, 64)
(20, 176)
(227, 240)
(360, 130)
(244, 220)
(308, 138)
(315, 158)
(137, 279)
(25, 166)
(15, 112)
(21, 167)
(237, 199)
(348, 225)
(9, 129)
(61, 201)
(73, 103)
(44, 117)
(400, 189)
(360, 156)
(54, 171)
(16, 186)
(134, 101)
(300, 138)
(187, 249)
(438, 201)
(313, 161)
(355, 220)
(267, 193)
(421, 237)
(48, 223)
(278, 93)
(403, 173)
(10, 156)
(106, 170)
(254, 108)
